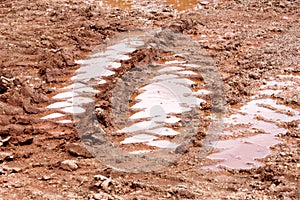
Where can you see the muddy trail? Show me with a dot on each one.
(149, 99)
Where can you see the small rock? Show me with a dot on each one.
(100, 177)
(69, 165)
(282, 153)
(98, 196)
(4, 156)
(182, 149)
(9, 170)
(103, 196)
(229, 35)
(45, 178)
(197, 143)
(15, 169)
(285, 17)
(5, 140)
(204, 3)
(105, 185)
(22, 140)
(78, 150)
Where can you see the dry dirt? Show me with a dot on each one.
(249, 40)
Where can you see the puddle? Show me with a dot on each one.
(271, 84)
(252, 128)
(73, 110)
(242, 153)
(269, 92)
(176, 4)
(164, 144)
(70, 99)
(59, 104)
(156, 109)
(64, 95)
(65, 121)
(160, 104)
(53, 116)
(138, 139)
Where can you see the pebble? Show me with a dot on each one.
(102, 196)
(5, 140)
(182, 149)
(9, 170)
(282, 154)
(69, 165)
(6, 156)
(204, 2)
(2, 171)
(100, 177)
(105, 185)
(77, 150)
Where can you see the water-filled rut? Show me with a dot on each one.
(155, 107)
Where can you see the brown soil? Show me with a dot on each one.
(249, 40)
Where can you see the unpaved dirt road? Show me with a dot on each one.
(251, 42)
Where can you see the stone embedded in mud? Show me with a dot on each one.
(28, 108)
(8, 109)
(22, 140)
(5, 156)
(78, 150)
(4, 141)
(103, 196)
(182, 149)
(3, 87)
(9, 170)
(204, 2)
(100, 177)
(69, 165)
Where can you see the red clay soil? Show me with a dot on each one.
(249, 40)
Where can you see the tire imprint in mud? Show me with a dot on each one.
(196, 66)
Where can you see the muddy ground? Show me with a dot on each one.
(40, 41)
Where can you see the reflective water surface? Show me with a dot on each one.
(253, 126)
(70, 98)
(158, 105)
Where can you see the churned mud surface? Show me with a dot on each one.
(255, 47)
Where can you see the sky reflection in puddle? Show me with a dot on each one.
(261, 117)
(160, 103)
(96, 68)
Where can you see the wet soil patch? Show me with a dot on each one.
(249, 40)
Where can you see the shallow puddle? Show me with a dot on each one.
(53, 116)
(160, 103)
(252, 128)
(70, 99)
(157, 106)
(162, 98)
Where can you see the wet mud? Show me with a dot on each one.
(62, 59)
